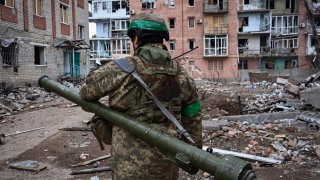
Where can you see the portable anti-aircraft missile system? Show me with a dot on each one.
(188, 157)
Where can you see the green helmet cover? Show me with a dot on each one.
(148, 25)
(148, 21)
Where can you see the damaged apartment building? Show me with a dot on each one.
(41, 37)
(110, 40)
(237, 37)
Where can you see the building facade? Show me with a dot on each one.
(110, 41)
(232, 38)
(42, 38)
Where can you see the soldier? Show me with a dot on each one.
(133, 158)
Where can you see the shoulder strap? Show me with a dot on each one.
(127, 67)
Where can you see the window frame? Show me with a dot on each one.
(64, 8)
(43, 59)
(152, 4)
(191, 21)
(215, 65)
(81, 31)
(12, 56)
(172, 45)
(36, 7)
(191, 41)
(174, 23)
(6, 4)
(191, 2)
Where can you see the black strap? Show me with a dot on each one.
(127, 67)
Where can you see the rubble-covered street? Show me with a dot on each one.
(273, 125)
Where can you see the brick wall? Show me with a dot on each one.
(35, 36)
(9, 14)
(39, 22)
(65, 29)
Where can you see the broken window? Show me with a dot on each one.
(290, 64)
(270, 4)
(269, 64)
(8, 3)
(243, 64)
(172, 45)
(10, 54)
(95, 7)
(171, 3)
(39, 55)
(191, 44)
(216, 45)
(148, 4)
(246, 2)
(37, 7)
(171, 23)
(191, 2)
(191, 22)
(242, 42)
(64, 14)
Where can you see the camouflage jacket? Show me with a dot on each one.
(164, 77)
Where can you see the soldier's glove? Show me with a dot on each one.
(102, 130)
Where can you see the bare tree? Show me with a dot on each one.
(310, 16)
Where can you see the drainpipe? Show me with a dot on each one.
(182, 32)
(87, 61)
(73, 62)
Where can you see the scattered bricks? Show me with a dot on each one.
(291, 88)
(268, 126)
(292, 143)
(280, 136)
(267, 151)
(291, 129)
(231, 134)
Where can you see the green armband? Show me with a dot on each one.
(192, 109)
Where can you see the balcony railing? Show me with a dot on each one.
(252, 7)
(119, 35)
(222, 29)
(210, 7)
(266, 51)
(245, 51)
(284, 30)
(100, 54)
(280, 52)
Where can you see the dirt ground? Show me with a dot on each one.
(58, 150)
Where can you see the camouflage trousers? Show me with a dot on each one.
(134, 159)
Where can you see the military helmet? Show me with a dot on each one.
(148, 24)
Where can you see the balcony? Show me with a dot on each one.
(247, 52)
(222, 29)
(280, 52)
(221, 6)
(252, 7)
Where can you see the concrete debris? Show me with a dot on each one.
(13, 100)
(28, 165)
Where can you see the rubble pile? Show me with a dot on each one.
(283, 95)
(286, 140)
(20, 98)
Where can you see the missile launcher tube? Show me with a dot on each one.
(188, 157)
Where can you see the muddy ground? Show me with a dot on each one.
(58, 150)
